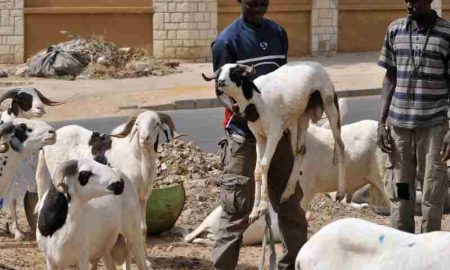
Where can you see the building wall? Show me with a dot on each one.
(11, 31)
(184, 29)
(127, 23)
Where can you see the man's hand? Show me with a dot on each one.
(384, 139)
(445, 151)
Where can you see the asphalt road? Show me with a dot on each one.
(204, 126)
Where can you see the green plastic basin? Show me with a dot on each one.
(164, 207)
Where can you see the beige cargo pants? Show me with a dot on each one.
(417, 152)
(237, 189)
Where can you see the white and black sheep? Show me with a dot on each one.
(287, 98)
(27, 102)
(89, 214)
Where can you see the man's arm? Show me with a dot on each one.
(387, 91)
(384, 139)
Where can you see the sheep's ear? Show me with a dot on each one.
(16, 144)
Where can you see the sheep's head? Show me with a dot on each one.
(26, 135)
(87, 179)
(147, 126)
(27, 102)
(234, 80)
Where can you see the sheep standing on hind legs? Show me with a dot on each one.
(287, 98)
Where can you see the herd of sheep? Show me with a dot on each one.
(75, 168)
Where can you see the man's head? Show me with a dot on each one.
(253, 10)
(418, 8)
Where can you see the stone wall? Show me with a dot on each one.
(11, 31)
(184, 29)
(324, 27)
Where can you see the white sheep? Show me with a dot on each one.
(20, 137)
(287, 98)
(206, 232)
(364, 162)
(358, 244)
(132, 150)
(27, 102)
(89, 214)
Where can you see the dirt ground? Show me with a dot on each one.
(168, 251)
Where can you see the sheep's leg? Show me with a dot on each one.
(14, 227)
(143, 206)
(134, 244)
(94, 264)
(299, 149)
(108, 261)
(271, 146)
(49, 265)
(332, 111)
(260, 149)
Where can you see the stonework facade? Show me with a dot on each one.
(11, 31)
(324, 27)
(184, 29)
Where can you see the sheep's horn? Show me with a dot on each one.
(128, 128)
(166, 119)
(207, 78)
(5, 128)
(65, 169)
(47, 101)
(13, 93)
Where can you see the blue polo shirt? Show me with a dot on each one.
(265, 48)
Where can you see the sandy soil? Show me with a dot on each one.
(168, 251)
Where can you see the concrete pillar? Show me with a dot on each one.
(437, 5)
(184, 30)
(11, 32)
(324, 27)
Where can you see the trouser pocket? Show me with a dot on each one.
(438, 184)
(235, 193)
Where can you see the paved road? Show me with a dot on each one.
(204, 127)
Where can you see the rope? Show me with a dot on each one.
(268, 233)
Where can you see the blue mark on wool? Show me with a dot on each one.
(381, 239)
(1, 203)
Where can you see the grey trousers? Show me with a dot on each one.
(236, 186)
(417, 153)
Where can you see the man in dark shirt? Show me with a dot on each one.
(255, 41)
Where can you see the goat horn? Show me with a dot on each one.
(166, 119)
(45, 100)
(13, 93)
(65, 169)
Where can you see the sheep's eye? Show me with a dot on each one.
(83, 177)
(29, 130)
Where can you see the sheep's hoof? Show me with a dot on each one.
(253, 215)
(18, 235)
(340, 196)
(262, 208)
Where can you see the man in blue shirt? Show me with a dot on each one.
(255, 41)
